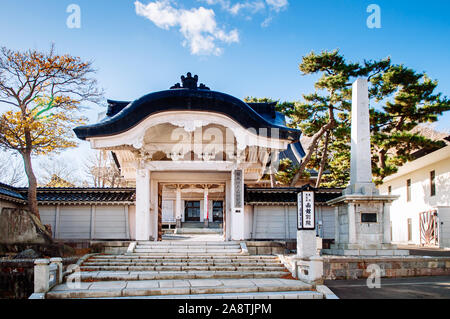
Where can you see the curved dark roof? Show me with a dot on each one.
(122, 116)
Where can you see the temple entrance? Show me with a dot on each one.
(218, 211)
(192, 211)
(192, 208)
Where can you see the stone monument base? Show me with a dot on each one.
(364, 250)
(363, 225)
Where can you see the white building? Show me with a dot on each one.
(421, 216)
(190, 152)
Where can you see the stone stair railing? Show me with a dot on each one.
(47, 274)
(307, 269)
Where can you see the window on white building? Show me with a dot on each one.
(432, 183)
(409, 229)
(408, 190)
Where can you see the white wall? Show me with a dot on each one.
(89, 222)
(444, 219)
(48, 217)
(421, 199)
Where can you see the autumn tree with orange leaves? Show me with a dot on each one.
(43, 92)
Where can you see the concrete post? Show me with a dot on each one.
(178, 207)
(41, 275)
(315, 268)
(306, 243)
(387, 223)
(142, 204)
(205, 207)
(237, 213)
(59, 273)
(351, 223)
(336, 225)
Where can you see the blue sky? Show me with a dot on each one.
(252, 51)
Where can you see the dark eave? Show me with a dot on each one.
(81, 196)
(11, 194)
(288, 195)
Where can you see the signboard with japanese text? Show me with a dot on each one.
(299, 211)
(306, 211)
(238, 189)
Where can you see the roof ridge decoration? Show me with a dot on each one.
(189, 82)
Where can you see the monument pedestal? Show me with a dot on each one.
(362, 226)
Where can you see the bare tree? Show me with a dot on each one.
(57, 172)
(103, 170)
(11, 170)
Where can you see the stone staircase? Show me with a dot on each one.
(184, 269)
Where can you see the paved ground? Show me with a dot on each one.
(425, 251)
(400, 288)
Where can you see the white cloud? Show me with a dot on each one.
(266, 22)
(277, 5)
(250, 7)
(235, 8)
(198, 25)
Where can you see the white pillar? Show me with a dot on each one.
(205, 206)
(306, 243)
(227, 212)
(351, 223)
(142, 204)
(178, 207)
(59, 274)
(41, 275)
(237, 211)
(336, 225)
(387, 223)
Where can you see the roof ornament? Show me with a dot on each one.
(189, 82)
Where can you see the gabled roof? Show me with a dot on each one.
(85, 195)
(122, 115)
(70, 195)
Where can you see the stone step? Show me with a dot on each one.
(112, 289)
(185, 254)
(196, 231)
(250, 264)
(91, 276)
(189, 250)
(188, 247)
(182, 268)
(187, 243)
(177, 257)
(250, 295)
(181, 263)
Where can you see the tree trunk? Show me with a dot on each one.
(311, 149)
(32, 187)
(324, 159)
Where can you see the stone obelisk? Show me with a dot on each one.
(362, 215)
(360, 163)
